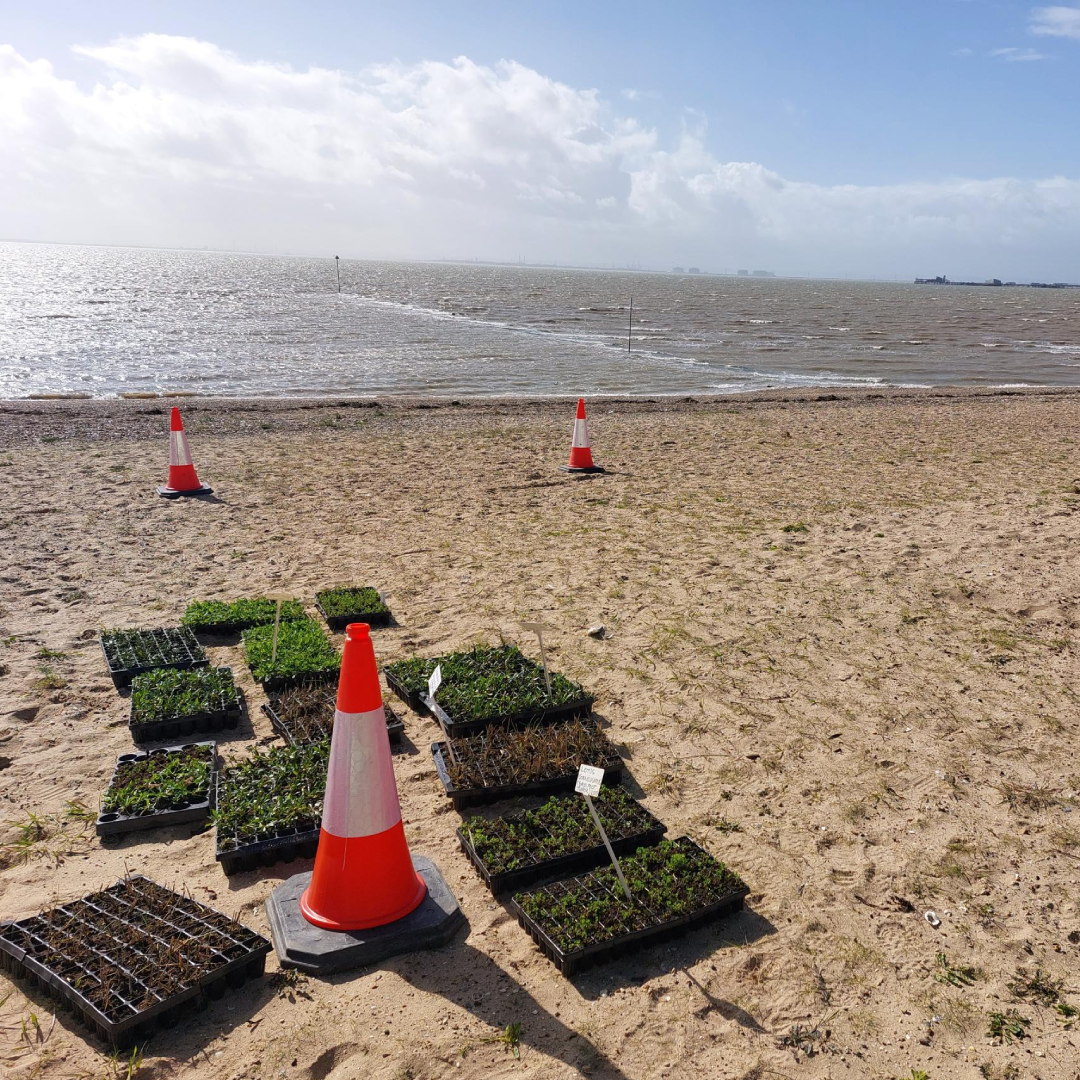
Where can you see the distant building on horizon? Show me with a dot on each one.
(693, 270)
(763, 273)
(743, 273)
(678, 270)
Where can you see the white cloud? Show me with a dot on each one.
(1056, 21)
(1015, 55)
(962, 52)
(181, 142)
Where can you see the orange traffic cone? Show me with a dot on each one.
(580, 454)
(363, 875)
(182, 476)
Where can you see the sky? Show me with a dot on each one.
(866, 138)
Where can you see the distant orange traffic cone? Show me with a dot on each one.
(183, 479)
(580, 454)
(363, 875)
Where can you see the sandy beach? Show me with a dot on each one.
(840, 652)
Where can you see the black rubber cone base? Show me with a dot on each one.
(321, 952)
(593, 469)
(172, 493)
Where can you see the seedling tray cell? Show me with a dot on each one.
(374, 613)
(459, 729)
(496, 791)
(132, 652)
(195, 808)
(298, 843)
(626, 832)
(596, 888)
(305, 714)
(132, 957)
(224, 715)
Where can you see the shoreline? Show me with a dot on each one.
(25, 421)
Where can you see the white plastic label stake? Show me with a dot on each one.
(434, 682)
(589, 779)
(280, 598)
(538, 629)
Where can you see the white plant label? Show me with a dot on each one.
(538, 629)
(434, 682)
(589, 779)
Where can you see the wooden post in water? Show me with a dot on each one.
(630, 329)
(337, 266)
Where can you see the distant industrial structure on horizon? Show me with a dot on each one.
(998, 283)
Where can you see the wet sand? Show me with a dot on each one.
(840, 652)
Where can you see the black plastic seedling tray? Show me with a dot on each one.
(569, 963)
(563, 866)
(297, 842)
(197, 809)
(414, 699)
(463, 798)
(76, 944)
(458, 729)
(168, 643)
(337, 623)
(180, 727)
(276, 683)
(395, 727)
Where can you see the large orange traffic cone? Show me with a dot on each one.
(363, 875)
(580, 454)
(183, 479)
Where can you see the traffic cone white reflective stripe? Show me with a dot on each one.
(581, 433)
(179, 451)
(359, 762)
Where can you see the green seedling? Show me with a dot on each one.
(160, 781)
(487, 683)
(562, 826)
(302, 649)
(954, 975)
(1039, 988)
(672, 879)
(510, 1037)
(209, 615)
(166, 694)
(1008, 1027)
(800, 527)
(49, 679)
(49, 654)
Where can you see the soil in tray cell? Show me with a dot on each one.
(127, 951)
